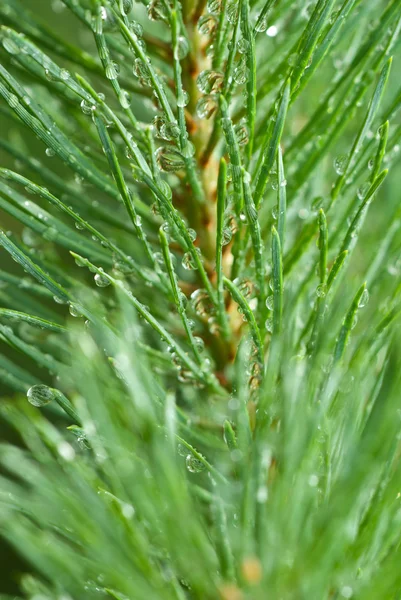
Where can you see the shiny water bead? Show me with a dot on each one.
(182, 48)
(201, 303)
(157, 10)
(364, 299)
(192, 234)
(214, 6)
(321, 290)
(209, 81)
(40, 395)
(227, 236)
(74, 312)
(87, 108)
(182, 98)
(136, 28)
(363, 190)
(64, 75)
(142, 72)
(50, 152)
(169, 159)
(241, 71)
(245, 286)
(242, 134)
(188, 261)
(112, 70)
(340, 164)
(207, 25)
(199, 343)
(274, 182)
(261, 24)
(158, 122)
(169, 131)
(207, 106)
(194, 465)
(269, 325)
(270, 302)
(126, 6)
(232, 12)
(125, 99)
(243, 46)
(101, 280)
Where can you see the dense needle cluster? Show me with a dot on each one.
(199, 349)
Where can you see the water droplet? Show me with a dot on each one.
(112, 70)
(214, 6)
(136, 28)
(40, 395)
(125, 99)
(74, 312)
(188, 261)
(101, 280)
(182, 49)
(274, 182)
(194, 465)
(241, 133)
(340, 164)
(64, 74)
(169, 131)
(50, 152)
(209, 81)
(169, 159)
(199, 343)
(364, 299)
(192, 234)
(227, 236)
(270, 302)
(363, 190)
(321, 290)
(206, 106)
(241, 71)
(87, 108)
(182, 99)
(142, 72)
(201, 303)
(232, 12)
(261, 24)
(269, 325)
(127, 6)
(243, 46)
(207, 25)
(157, 11)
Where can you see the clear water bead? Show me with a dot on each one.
(194, 465)
(209, 81)
(206, 106)
(101, 280)
(207, 25)
(214, 6)
(40, 395)
(169, 159)
(340, 163)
